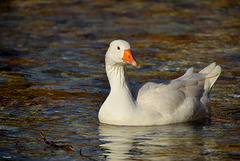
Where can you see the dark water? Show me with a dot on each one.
(52, 77)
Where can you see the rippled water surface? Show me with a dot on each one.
(52, 77)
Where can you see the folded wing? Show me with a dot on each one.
(166, 98)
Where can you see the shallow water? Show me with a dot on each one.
(52, 77)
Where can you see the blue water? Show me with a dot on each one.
(52, 77)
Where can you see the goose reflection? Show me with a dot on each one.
(149, 142)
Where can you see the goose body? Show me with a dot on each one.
(180, 100)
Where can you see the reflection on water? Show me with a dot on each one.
(52, 76)
(170, 142)
(123, 142)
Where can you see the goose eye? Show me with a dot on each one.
(118, 48)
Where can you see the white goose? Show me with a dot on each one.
(183, 99)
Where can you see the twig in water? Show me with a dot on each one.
(51, 143)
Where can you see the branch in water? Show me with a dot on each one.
(51, 143)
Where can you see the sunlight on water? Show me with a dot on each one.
(52, 77)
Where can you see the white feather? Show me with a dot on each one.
(183, 99)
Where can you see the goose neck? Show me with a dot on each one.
(117, 76)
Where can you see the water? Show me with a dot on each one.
(52, 77)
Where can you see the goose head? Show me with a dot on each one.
(119, 52)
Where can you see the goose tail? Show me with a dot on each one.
(212, 72)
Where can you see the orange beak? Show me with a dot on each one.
(128, 57)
